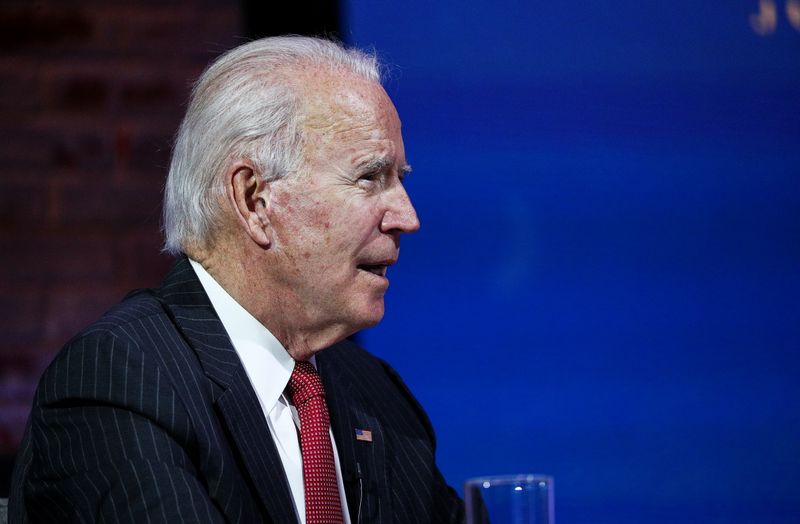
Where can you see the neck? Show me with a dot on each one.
(244, 278)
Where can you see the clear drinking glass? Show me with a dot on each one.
(510, 499)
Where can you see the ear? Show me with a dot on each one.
(249, 196)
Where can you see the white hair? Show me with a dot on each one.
(245, 105)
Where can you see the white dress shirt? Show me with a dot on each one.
(268, 366)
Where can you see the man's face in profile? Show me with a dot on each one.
(337, 223)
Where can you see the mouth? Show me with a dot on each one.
(375, 269)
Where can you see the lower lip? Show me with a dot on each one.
(383, 279)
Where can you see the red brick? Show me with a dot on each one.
(44, 257)
(68, 310)
(21, 89)
(22, 201)
(84, 151)
(21, 310)
(83, 94)
(122, 146)
(13, 416)
(149, 95)
(21, 366)
(151, 30)
(28, 26)
(15, 381)
(109, 204)
(138, 258)
(91, 93)
(25, 149)
(150, 155)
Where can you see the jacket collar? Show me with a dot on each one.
(187, 302)
(365, 466)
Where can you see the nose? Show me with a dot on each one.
(400, 215)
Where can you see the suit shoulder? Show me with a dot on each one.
(377, 378)
(133, 345)
(119, 327)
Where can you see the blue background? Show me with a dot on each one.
(605, 286)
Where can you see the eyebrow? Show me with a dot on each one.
(379, 164)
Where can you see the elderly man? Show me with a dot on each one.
(211, 399)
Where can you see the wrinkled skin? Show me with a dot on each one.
(336, 225)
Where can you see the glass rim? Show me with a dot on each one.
(501, 480)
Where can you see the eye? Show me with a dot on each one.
(369, 179)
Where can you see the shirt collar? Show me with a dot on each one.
(267, 363)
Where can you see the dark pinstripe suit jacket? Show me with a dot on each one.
(148, 416)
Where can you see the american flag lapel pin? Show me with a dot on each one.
(364, 435)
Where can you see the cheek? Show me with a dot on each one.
(320, 224)
(319, 217)
(320, 238)
(332, 228)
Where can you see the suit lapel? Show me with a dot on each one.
(237, 403)
(350, 409)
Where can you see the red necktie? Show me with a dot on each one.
(319, 469)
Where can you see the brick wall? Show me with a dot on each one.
(91, 93)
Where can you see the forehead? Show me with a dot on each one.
(336, 103)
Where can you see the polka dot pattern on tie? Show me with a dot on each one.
(319, 469)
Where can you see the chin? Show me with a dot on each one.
(370, 315)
